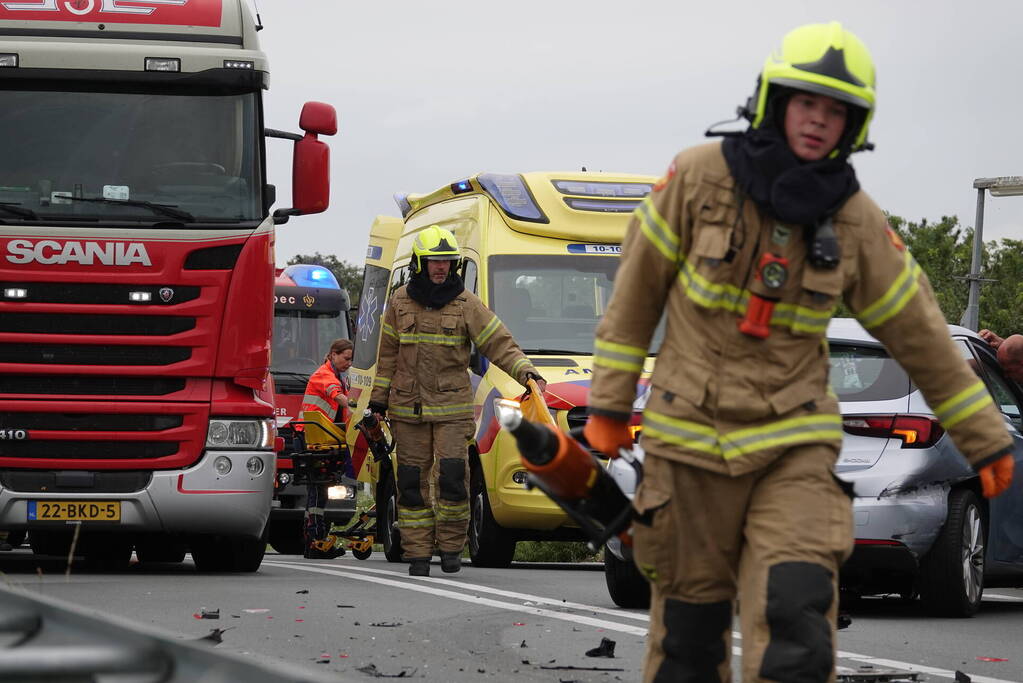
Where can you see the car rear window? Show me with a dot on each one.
(866, 373)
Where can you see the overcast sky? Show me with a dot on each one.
(430, 92)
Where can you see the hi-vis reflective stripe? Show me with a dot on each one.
(389, 331)
(314, 400)
(382, 382)
(964, 404)
(488, 331)
(452, 513)
(440, 339)
(518, 365)
(705, 439)
(432, 411)
(415, 519)
(730, 298)
(895, 299)
(618, 356)
(656, 229)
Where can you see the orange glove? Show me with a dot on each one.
(994, 477)
(607, 434)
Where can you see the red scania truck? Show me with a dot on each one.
(136, 277)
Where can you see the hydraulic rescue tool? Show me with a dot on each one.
(571, 476)
(772, 272)
(373, 432)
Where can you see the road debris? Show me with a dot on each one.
(580, 668)
(215, 636)
(258, 610)
(844, 621)
(991, 659)
(207, 613)
(346, 606)
(386, 624)
(962, 678)
(371, 670)
(605, 649)
(523, 644)
(304, 591)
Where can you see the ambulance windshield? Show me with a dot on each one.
(129, 156)
(553, 303)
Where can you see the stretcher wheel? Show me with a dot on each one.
(362, 554)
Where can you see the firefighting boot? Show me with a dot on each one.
(450, 562)
(419, 566)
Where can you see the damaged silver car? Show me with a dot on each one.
(922, 527)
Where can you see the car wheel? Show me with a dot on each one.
(489, 543)
(228, 553)
(387, 517)
(952, 573)
(285, 536)
(626, 585)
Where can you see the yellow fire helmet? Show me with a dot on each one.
(434, 243)
(825, 59)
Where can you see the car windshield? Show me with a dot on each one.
(301, 339)
(129, 156)
(866, 373)
(552, 303)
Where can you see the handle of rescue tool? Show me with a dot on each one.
(772, 272)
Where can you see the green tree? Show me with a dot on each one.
(1001, 301)
(943, 249)
(348, 275)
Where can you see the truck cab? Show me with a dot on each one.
(541, 250)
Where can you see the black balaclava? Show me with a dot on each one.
(426, 293)
(787, 188)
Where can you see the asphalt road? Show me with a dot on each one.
(368, 619)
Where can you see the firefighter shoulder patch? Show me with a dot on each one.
(896, 240)
(668, 175)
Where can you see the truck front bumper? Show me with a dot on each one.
(194, 500)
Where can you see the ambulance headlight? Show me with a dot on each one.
(241, 434)
(163, 64)
(340, 492)
(9, 59)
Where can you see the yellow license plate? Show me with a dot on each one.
(74, 511)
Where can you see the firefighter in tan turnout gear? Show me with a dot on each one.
(422, 382)
(749, 246)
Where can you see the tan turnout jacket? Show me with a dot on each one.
(424, 356)
(729, 402)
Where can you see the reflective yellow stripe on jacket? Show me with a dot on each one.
(964, 404)
(488, 331)
(618, 356)
(432, 411)
(423, 338)
(656, 229)
(415, 519)
(458, 512)
(895, 299)
(705, 439)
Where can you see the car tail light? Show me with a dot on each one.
(914, 431)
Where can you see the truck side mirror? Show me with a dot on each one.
(310, 168)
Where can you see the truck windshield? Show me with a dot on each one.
(129, 156)
(301, 340)
(553, 303)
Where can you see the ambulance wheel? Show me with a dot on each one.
(489, 543)
(387, 522)
(626, 585)
(362, 554)
(285, 536)
(952, 572)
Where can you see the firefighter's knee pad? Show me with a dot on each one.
(694, 641)
(409, 494)
(799, 595)
(452, 479)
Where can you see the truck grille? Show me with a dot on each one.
(86, 422)
(56, 385)
(137, 325)
(93, 354)
(42, 449)
(74, 481)
(96, 293)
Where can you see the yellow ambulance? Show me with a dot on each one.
(541, 250)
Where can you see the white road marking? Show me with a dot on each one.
(1004, 598)
(417, 585)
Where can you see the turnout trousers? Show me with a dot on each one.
(773, 538)
(433, 455)
(315, 527)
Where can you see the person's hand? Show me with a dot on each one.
(996, 476)
(379, 410)
(991, 338)
(607, 434)
(541, 384)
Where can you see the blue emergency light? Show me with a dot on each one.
(461, 187)
(305, 275)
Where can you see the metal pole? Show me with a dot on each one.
(971, 316)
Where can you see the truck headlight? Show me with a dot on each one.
(241, 434)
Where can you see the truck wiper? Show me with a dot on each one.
(284, 373)
(15, 210)
(153, 206)
(556, 352)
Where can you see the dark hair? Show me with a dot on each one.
(339, 346)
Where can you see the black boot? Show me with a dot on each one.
(419, 566)
(450, 562)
